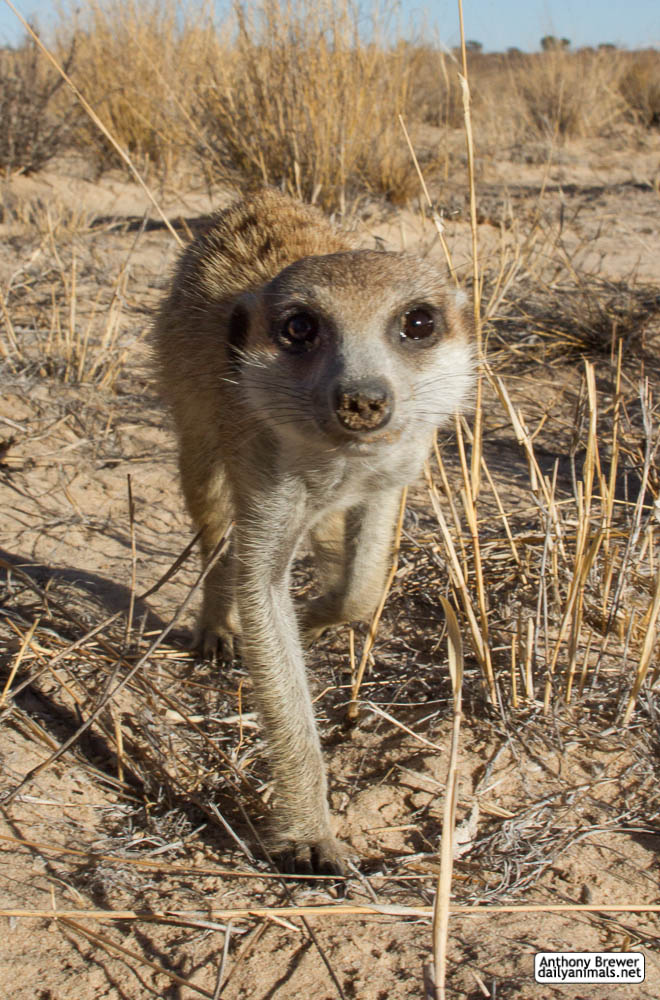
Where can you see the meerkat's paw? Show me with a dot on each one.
(213, 644)
(309, 636)
(326, 856)
(316, 617)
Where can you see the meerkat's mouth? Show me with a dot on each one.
(364, 444)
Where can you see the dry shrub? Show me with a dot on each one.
(31, 131)
(581, 313)
(567, 95)
(640, 87)
(300, 100)
(138, 65)
(520, 98)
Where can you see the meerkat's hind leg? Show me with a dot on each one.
(328, 538)
(355, 591)
(218, 623)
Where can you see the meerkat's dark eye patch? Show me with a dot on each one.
(298, 333)
(417, 324)
(237, 332)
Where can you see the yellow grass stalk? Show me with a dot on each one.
(585, 665)
(647, 651)
(131, 523)
(467, 497)
(82, 356)
(441, 908)
(9, 327)
(71, 330)
(614, 466)
(572, 616)
(586, 547)
(17, 662)
(610, 560)
(529, 654)
(476, 291)
(459, 584)
(449, 496)
(322, 910)
(505, 521)
(538, 483)
(119, 741)
(514, 676)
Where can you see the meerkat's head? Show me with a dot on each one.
(353, 348)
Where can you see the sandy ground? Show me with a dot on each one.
(554, 811)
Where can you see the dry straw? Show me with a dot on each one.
(320, 910)
(442, 906)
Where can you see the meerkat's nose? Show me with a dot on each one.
(363, 404)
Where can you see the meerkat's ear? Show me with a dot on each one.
(463, 311)
(237, 332)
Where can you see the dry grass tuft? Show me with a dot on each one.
(240, 100)
(55, 322)
(301, 101)
(584, 313)
(141, 66)
(32, 129)
(639, 85)
(568, 95)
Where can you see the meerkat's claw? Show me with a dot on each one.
(315, 620)
(325, 857)
(309, 636)
(213, 645)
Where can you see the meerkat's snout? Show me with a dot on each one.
(362, 405)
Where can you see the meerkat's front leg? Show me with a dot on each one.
(361, 553)
(267, 538)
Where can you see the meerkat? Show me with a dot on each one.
(306, 378)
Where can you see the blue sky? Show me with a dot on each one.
(498, 24)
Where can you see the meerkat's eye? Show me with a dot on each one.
(299, 333)
(417, 324)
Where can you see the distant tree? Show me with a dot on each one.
(473, 46)
(550, 42)
(513, 50)
(607, 47)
